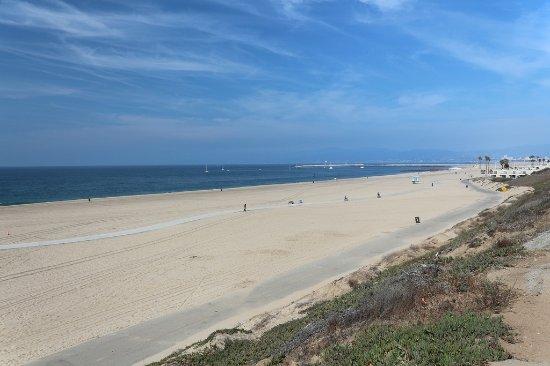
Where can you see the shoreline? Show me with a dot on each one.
(442, 166)
(183, 220)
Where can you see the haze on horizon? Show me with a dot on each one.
(147, 82)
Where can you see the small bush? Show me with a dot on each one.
(504, 242)
(475, 242)
(491, 228)
(494, 296)
(353, 283)
(415, 248)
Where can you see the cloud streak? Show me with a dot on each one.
(58, 17)
(514, 48)
(129, 61)
(421, 100)
(69, 21)
(37, 90)
(387, 5)
(123, 40)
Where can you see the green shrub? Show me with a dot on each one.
(467, 339)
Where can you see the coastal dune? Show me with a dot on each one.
(181, 250)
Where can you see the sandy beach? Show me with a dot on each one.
(62, 284)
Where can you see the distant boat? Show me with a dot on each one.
(206, 168)
(362, 167)
(222, 168)
(330, 167)
(345, 165)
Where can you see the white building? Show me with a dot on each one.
(516, 171)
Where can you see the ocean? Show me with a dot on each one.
(46, 184)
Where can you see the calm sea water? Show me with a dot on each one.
(30, 185)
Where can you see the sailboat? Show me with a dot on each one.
(206, 168)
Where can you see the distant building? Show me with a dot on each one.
(518, 171)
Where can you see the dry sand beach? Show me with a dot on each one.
(182, 250)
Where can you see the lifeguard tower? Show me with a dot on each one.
(415, 179)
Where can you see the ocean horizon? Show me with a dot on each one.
(24, 185)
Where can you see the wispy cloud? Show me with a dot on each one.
(506, 62)
(421, 100)
(69, 21)
(207, 28)
(335, 105)
(298, 11)
(57, 16)
(514, 48)
(131, 61)
(36, 90)
(123, 40)
(164, 127)
(290, 9)
(387, 5)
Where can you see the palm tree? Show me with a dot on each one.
(487, 160)
(480, 160)
(504, 163)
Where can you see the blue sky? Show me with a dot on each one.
(167, 82)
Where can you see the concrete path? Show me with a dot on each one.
(115, 234)
(149, 338)
(167, 224)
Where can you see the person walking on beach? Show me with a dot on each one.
(244, 208)
(345, 198)
(378, 195)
